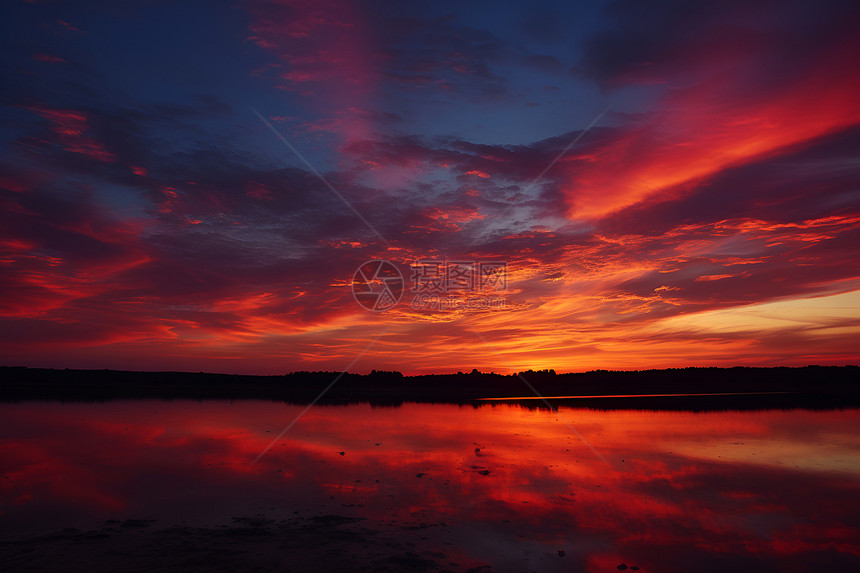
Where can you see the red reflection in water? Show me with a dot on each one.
(679, 489)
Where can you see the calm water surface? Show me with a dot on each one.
(424, 487)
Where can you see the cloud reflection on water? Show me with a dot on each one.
(756, 489)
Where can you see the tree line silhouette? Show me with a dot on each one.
(809, 386)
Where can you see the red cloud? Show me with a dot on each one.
(728, 119)
(72, 131)
(258, 191)
(40, 57)
(324, 55)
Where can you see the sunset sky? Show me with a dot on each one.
(670, 183)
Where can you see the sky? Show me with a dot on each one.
(197, 186)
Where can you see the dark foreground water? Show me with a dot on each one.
(174, 485)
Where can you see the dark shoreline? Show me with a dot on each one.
(780, 387)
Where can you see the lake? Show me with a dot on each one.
(213, 485)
